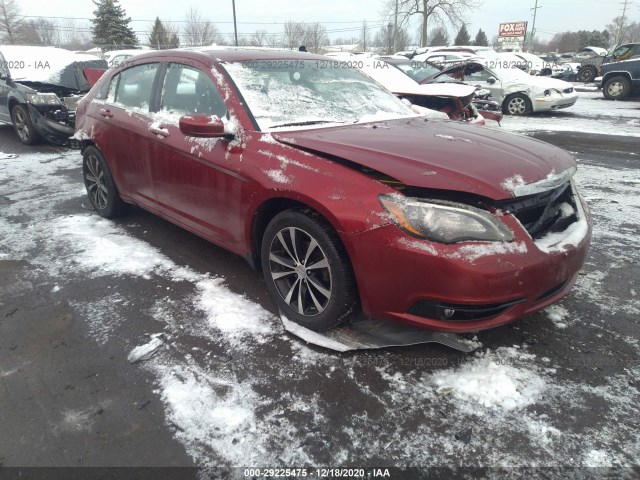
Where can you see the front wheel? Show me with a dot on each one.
(616, 88)
(517, 104)
(102, 190)
(307, 270)
(23, 125)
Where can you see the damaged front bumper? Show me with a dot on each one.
(54, 124)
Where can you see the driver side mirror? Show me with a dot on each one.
(491, 80)
(199, 125)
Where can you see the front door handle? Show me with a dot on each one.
(159, 130)
(105, 113)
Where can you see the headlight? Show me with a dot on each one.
(43, 99)
(444, 222)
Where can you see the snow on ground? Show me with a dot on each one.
(591, 114)
(250, 394)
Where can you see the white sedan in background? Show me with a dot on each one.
(520, 93)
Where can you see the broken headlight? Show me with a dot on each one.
(444, 222)
(43, 99)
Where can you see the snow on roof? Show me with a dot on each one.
(39, 64)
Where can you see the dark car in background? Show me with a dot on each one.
(590, 67)
(40, 88)
(620, 79)
(345, 198)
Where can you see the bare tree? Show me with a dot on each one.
(199, 31)
(11, 21)
(294, 33)
(74, 35)
(259, 38)
(48, 31)
(440, 11)
(384, 39)
(274, 41)
(173, 34)
(315, 37)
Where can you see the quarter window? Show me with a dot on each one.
(187, 90)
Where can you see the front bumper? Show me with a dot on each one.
(555, 101)
(52, 130)
(409, 280)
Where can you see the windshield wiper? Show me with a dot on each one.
(308, 122)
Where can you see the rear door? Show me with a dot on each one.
(196, 180)
(122, 134)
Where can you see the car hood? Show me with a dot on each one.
(453, 90)
(439, 154)
(456, 71)
(537, 82)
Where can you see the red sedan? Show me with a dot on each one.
(335, 189)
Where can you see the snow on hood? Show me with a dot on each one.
(463, 157)
(40, 64)
(513, 76)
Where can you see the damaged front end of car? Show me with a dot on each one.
(52, 110)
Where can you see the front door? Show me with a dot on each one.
(196, 180)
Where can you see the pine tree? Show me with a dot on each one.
(174, 42)
(111, 25)
(463, 37)
(481, 39)
(158, 38)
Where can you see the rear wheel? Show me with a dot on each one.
(307, 270)
(616, 88)
(517, 104)
(102, 190)
(587, 74)
(23, 125)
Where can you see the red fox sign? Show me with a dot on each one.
(513, 29)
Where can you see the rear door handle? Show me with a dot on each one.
(159, 130)
(105, 113)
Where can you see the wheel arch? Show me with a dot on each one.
(269, 208)
(510, 95)
(617, 73)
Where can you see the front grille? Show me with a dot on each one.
(546, 212)
(459, 312)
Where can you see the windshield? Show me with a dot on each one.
(282, 93)
(418, 70)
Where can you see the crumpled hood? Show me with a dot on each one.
(453, 90)
(439, 154)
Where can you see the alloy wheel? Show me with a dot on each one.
(300, 271)
(95, 181)
(517, 106)
(20, 123)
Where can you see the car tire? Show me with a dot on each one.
(616, 88)
(312, 283)
(516, 104)
(101, 189)
(23, 126)
(587, 74)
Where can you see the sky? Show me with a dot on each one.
(343, 18)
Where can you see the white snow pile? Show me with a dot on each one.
(557, 314)
(492, 381)
(146, 351)
(511, 183)
(278, 176)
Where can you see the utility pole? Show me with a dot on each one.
(621, 27)
(395, 30)
(235, 26)
(533, 27)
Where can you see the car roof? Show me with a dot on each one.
(233, 54)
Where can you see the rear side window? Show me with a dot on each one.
(132, 88)
(188, 90)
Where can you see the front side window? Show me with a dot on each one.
(132, 88)
(187, 90)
